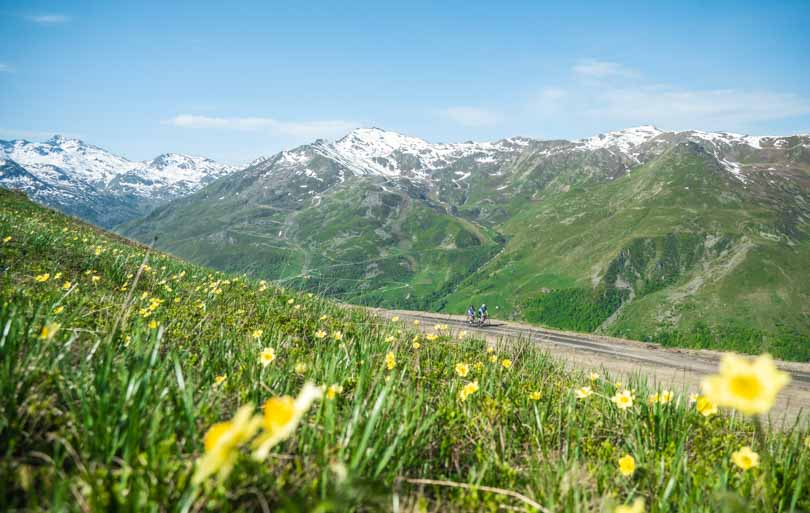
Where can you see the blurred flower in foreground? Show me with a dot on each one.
(281, 417)
(750, 386)
(222, 441)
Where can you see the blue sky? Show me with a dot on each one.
(253, 78)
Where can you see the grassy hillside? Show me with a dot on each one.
(115, 363)
(677, 251)
(361, 243)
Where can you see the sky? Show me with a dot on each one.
(252, 78)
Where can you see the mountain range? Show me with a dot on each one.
(89, 182)
(688, 238)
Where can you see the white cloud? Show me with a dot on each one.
(595, 69)
(49, 19)
(605, 94)
(683, 108)
(5, 68)
(470, 116)
(305, 129)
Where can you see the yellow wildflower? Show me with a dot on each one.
(153, 324)
(48, 331)
(257, 333)
(267, 356)
(462, 369)
(333, 391)
(750, 386)
(40, 278)
(95, 278)
(653, 398)
(490, 349)
(705, 407)
(323, 318)
(666, 397)
(291, 301)
(66, 285)
(536, 395)
(623, 399)
(745, 458)
(416, 322)
(431, 337)
(493, 358)
(219, 379)
(58, 309)
(281, 416)
(337, 335)
(627, 465)
(583, 392)
(462, 334)
(389, 339)
(637, 507)
(6, 239)
(594, 376)
(57, 275)
(300, 368)
(320, 334)
(468, 390)
(807, 441)
(390, 361)
(506, 363)
(395, 318)
(693, 397)
(416, 344)
(222, 442)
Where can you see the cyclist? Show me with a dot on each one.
(482, 313)
(471, 314)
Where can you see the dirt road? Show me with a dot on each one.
(674, 368)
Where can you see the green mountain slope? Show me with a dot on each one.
(678, 251)
(688, 238)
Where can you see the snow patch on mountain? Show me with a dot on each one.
(626, 140)
(372, 151)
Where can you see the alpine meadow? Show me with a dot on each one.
(414, 257)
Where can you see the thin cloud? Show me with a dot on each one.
(611, 94)
(309, 129)
(470, 116)
(49, 19)
(5, 68)
(721, 108)
(596, 69)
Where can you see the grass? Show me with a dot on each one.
(107, 410)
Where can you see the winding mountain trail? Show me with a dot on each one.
(679, 369)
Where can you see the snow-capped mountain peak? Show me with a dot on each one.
(71, 174)
(625, 140)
